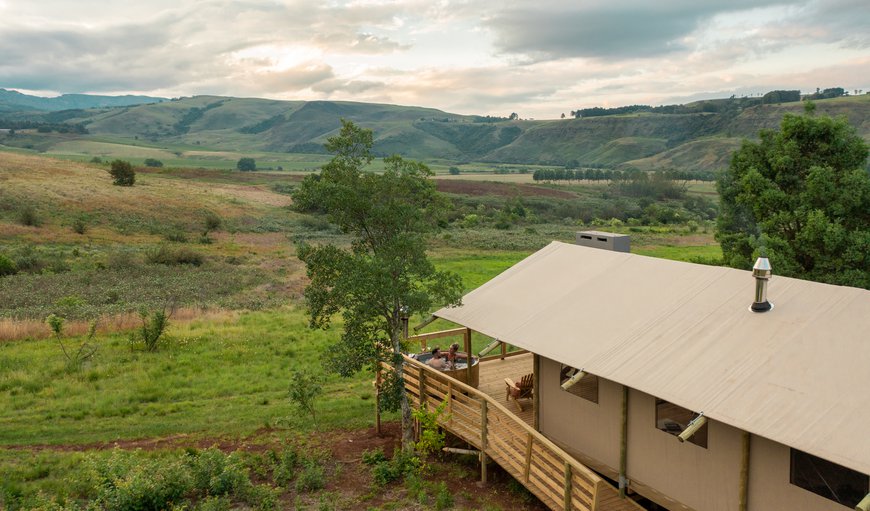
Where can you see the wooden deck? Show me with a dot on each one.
(492, 375)
(486, 420)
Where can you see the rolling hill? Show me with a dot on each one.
(700, 141)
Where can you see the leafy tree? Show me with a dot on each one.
(246, 164)
(513, 116)
(801, 195)
(385, 274)
(454, 171)
(122, 173)
(152, 162)
(304, 390)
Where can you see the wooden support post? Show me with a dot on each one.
(536, 391)
(744, 473)
(568, 489)
(503, 350)
(421, 387)
(449, 399)
(466, 338)
(378, 401)
(530, 441)
(483, 427)
(623, 445)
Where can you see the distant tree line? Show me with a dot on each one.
(834, 92)
(43, 127)
(709, 106)
(593, 174)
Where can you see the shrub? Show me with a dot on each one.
(312, 477)
(443, 497)
(402, 465)
(79, 225)
(122, 173)
(285, 467)
(304, 389)
(96, 159)
(454, 171)
(151, 162)
(215, 473)
(246, 164)
(173, 256)
(75, 359)
(27, 216)
(175, 234)
(7, 266)
(154, 324)
(374, 456)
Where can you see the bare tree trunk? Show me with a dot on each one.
(407, 420)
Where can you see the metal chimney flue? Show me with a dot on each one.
(762, 273)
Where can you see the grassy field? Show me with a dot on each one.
(85, 249)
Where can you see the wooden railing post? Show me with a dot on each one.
(529, 443)
(421, 387)
(503, 350)
(483, 428)
(450, 399)
(568, 489)
(466, 338)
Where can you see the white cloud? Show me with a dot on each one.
(467, 56)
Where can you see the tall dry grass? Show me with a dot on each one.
(17, 329)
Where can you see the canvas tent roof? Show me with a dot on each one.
(797, 375)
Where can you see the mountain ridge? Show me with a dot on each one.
(700, 141)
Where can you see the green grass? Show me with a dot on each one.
(210, 379)
(691, 253)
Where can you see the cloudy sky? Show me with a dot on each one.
(537, 58)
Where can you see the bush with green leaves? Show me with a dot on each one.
(7, 266)
(402, 465)
(27, 216)
(152, 162)
(122, 173)
(312, 477)
(75, 359)
(154, 325)
(285, 466)
(304, 390)
(246, 164)
(171, 256)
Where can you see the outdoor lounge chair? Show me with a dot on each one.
(524, 389)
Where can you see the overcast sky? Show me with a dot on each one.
(538, 59)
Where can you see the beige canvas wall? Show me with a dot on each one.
(702, 479)
(769, 486)
(679, 476)
(585, 427)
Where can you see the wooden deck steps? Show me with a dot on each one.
(485, 419)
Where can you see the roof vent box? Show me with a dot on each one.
(605, 240)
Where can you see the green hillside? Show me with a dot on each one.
(269, 128)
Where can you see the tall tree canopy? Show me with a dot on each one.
(385, 273)
(801, 195)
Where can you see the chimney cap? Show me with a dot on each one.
(762, 268)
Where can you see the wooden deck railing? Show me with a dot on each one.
(556, 478)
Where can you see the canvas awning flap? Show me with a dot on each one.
(683, 332)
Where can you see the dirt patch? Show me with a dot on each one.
(501, 189)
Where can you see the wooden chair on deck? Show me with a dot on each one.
(524, 389)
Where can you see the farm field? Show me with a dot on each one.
(84, 249)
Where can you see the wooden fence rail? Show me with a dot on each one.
(554, 476)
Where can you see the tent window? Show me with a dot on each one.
(673, 419)
(832, 481)
(587, 387)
